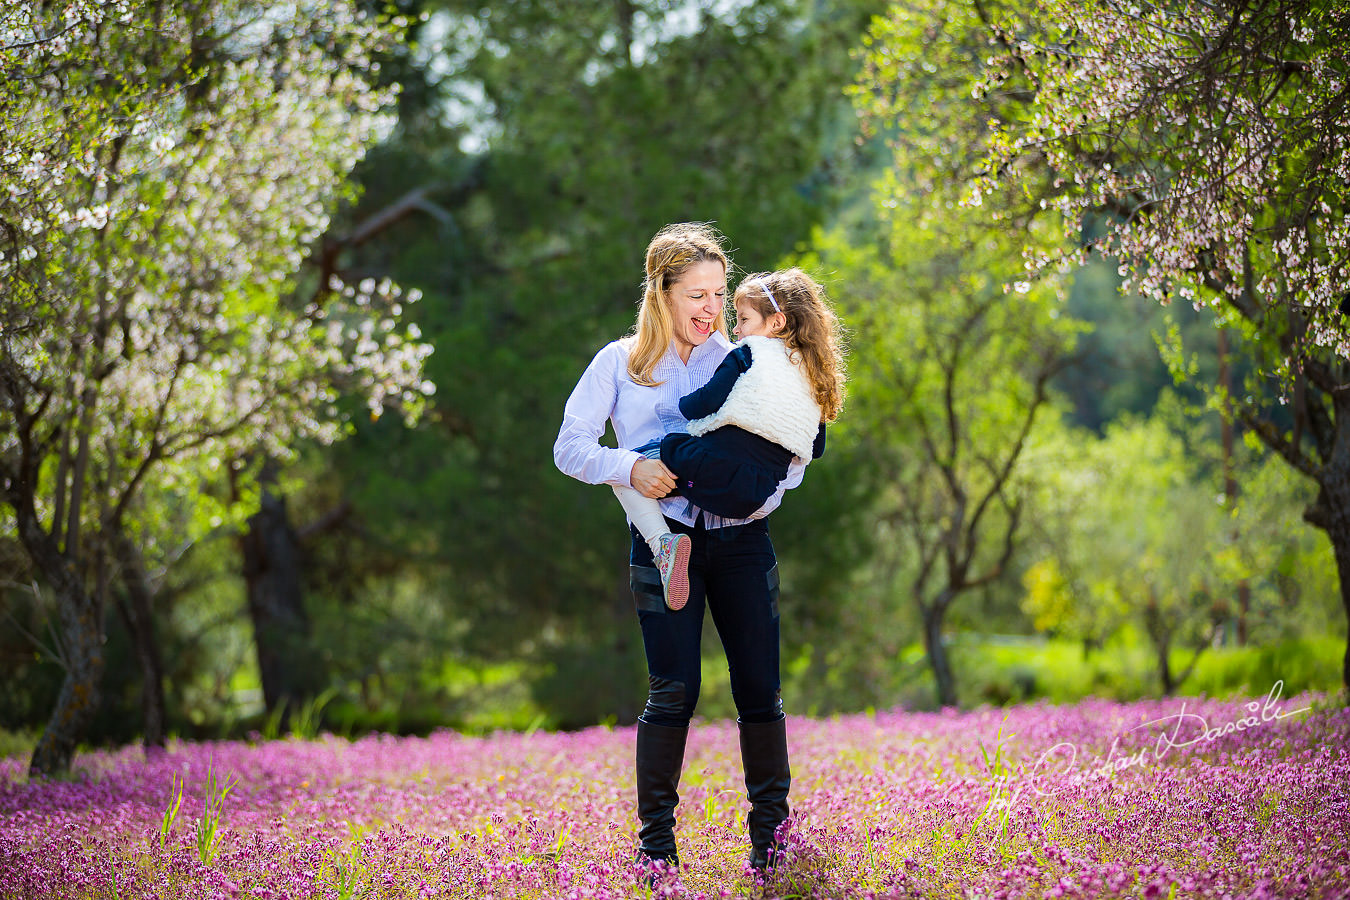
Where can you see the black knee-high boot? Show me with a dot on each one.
(660, 757)
(764, 755)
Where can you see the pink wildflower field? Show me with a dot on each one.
(1164, 798)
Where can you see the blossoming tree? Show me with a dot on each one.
(1203, 145)
(165, 166)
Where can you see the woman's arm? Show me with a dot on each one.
(578, 451)
(709, 399)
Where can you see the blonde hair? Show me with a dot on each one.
(669, 255)
(812, 332)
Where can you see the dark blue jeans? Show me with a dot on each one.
(732, 574)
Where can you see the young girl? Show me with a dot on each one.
(767, 402)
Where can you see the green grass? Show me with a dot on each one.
(1011, 670)
(17, 743)
(1306, 664)
(995, 670)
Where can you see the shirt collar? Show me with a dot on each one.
(717, 339)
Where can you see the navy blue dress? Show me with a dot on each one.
(730, 471)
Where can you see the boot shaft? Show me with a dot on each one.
(659, 758)
(768, 778)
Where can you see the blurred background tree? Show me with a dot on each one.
(950, 374)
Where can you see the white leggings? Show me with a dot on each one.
(644, 512)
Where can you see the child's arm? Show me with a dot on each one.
(709, 399)
(818, 448)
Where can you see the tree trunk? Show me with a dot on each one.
(937, 653)
(1331, 511)
(1165, 678)
(625, 11)
(1342, 547)
(80, 646)
(1230, 485)
(136, 609)
(1161, 638)
(82, 655)
(1338, 530)
(1332, 514)
(288, 666)
(1162, 646)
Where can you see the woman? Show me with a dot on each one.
(677, 344)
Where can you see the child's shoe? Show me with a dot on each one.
(672, 559)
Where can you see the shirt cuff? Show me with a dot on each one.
(626, 473)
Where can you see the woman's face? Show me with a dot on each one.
(695, 303)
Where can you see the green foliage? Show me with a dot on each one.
(16, 743)
(213, 805)
(1117, 369)
(952, 354)
(455, 578)
(1000, 671)
(171, 810)
(1107, 548)
(1048, 600)
(1309, 663)
(350, 877)
(27, 654)
(1152, 481)
(577, 153)
(1166, 141)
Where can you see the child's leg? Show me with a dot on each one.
(670, 551)
(645, 514)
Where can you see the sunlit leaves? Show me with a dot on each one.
(165, 174)
(1213, 138)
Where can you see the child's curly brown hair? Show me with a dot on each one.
(812, 332)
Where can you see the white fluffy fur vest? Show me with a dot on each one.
(772, 399)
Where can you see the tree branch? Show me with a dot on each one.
(1014, 453)
(1009, 545)
(1272, 438)
(23, 45)
(156, 449)
(326, 522)
(415, 200)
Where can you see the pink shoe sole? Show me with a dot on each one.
(677, 589)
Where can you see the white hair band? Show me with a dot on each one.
(765, 285)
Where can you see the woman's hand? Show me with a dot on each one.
(651, 478)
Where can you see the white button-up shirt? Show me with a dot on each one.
(606, 393)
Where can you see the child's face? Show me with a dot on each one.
(749, 321)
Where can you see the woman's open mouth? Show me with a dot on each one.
(703, 326)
